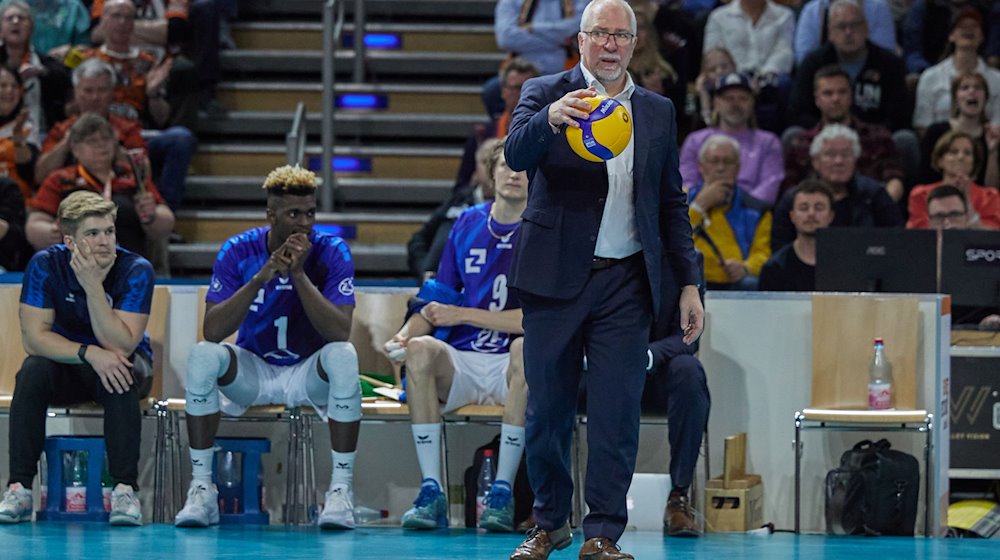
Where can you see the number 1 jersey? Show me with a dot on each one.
(276, 327)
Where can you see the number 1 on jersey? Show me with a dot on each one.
(281, 323)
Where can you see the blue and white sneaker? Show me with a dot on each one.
(15, 506)
(430, 509)
(499, 513)
(202, 506)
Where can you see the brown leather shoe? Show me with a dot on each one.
(678, 519)
(602, 548)
(540, 543)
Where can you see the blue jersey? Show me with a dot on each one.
(50, 283)
(475, 262)
(276, 327)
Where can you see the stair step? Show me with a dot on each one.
(355, 190)
(412, 37)
(369, 259)
(346, 124)
(438, 9)
(383, 162)
(395, 98)
(216, 226)
(424, 64)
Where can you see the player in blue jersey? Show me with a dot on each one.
(289, 290)
(474, 355)
(84, 308)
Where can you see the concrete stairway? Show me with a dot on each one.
(399, 135)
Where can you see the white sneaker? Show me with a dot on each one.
(16, 504)
(202, 506)
(338, 511)
(125, 507)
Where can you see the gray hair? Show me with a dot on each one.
(91, 68)
(18, 4)
(840, 4)
(833, 132)
(589, 10)
(718, 140)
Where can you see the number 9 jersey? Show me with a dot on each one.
(475, 262)
(276, 327)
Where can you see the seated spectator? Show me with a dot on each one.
(650, 70)
(142, 214)
(876, 74)
(811, 31)
(733, 236)
(542, 32)
(958, 158)
(933, 102)
(511, 77)
(676, 386)
(925, 39)
(46, 83)
(878, 160)
(758, 34)
(793, 267)
(969, 93)
(84, 307)
(679, 40)
(947, 208)
(715, 63)
(142, 91)
(14, 249)
(423, 252)
(169, 151)
(18, 138)
(59, 26)
(857, 200)
(463, 346)
(761, 169)
(188, 27)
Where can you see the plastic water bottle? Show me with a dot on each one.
(76, 486)
(229, 476)
(364, 515)
(487, 473)
(880, 379)
(106, 484)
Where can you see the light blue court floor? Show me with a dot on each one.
(152, 542)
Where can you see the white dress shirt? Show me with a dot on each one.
(934, 93)
(618, 236)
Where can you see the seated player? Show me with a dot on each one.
(84, 306)
(289, 290)
(462, 347)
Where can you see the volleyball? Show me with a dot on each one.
(605, 134)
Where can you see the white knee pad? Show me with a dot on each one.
(206, 363)
(340, 362)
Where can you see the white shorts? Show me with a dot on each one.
(276, 384)
(479, 378)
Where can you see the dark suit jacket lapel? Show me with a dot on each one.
(641, 109)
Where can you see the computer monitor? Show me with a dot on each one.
(970, 268)
(861, 259)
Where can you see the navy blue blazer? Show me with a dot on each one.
(555, 248)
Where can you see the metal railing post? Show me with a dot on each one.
(330, 36)
(295, 139)
(360, 22)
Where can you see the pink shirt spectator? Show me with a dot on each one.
(762, 167)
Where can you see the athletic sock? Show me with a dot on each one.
(427, 439)
(201, 464)
(343, 468)
(511, 450)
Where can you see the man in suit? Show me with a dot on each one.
(588, 269)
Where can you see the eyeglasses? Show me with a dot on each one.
(622, 38)
(846, 26)
(834, 155)
(14, 18)
(97, 140)
(949, 216)
(727, 161)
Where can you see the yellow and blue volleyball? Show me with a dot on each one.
(605, 134)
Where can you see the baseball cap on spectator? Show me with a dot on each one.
(732, 80)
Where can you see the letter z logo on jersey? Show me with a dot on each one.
(475, 261)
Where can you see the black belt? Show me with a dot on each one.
(600, 263)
